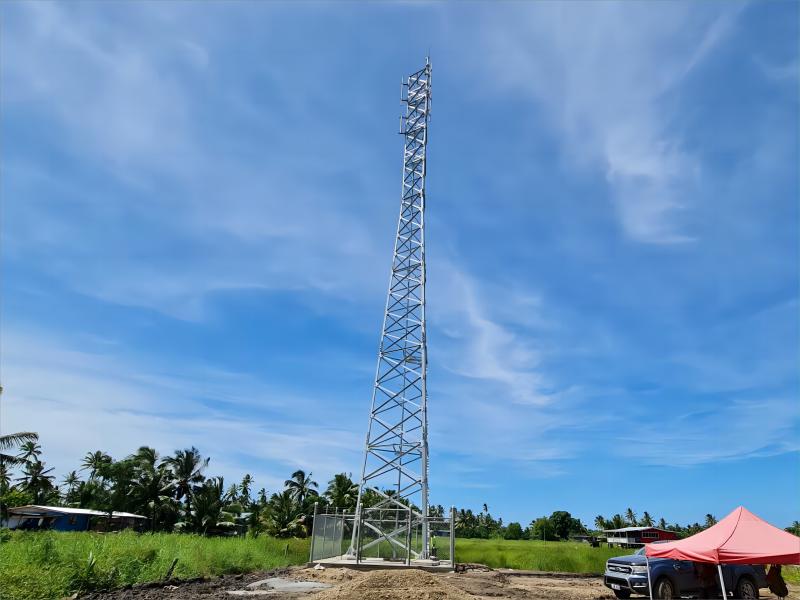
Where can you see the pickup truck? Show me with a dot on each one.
(627, 575)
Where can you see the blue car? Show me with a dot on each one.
(627, 575)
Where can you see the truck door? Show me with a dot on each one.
(685, 576)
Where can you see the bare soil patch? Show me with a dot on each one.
(400, 584)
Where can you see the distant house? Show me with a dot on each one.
(62, 518)
(629, 537)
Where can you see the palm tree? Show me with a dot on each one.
(662, 523)
(301, 486)
(146, 458)
(155, 489)
(630, 516)
(187, 466)
(342, 492)
(37, 481)
(600, 522)
(95, 462)
(11, 440)
(244, 488)
(30, 451)
(283, 517)
(91, 494)
(617, 522)
(5, 478)
(233, 493)
(210, 501)
(71, 480)
(710, 520)
(485, 508)
(647, 520)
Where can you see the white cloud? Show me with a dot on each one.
(80, 401)
(482, 348)
(733, 430)
(223, 210)
(111, 97)
(603, 75)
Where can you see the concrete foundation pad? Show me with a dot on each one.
(279, 585)
(369, 564)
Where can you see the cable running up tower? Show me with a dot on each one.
(396, 453)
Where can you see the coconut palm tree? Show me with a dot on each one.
(95, 462)
(647, 520)
(283, 515)
(662, 523)
(233, 493)
(71, 481)
(630, 517)
(301, 486)
(29, 451)
(244, 489)
(11, 440)
(145, 458)
(5, 478)
(187, 467)
(36, 480)
(155, 489)
(342, 492)
(710, 520)
(209, 502)
(600, 522)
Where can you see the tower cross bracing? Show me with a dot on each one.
(396, 454)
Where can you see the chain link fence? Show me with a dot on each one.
(386, 534)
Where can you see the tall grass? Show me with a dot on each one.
(567, 557)
(48, 565)
(791, 574)
(51, 565)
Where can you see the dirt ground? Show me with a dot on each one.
(347, 584)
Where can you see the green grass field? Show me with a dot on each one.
(568, 557)
(51, 565)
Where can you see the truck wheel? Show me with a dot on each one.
(622, 594)
(746, 589)
(665, 589)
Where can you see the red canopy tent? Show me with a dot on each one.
(739, 538)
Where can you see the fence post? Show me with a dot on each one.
(408, 537)
(313, 532)
(360, 517)
(453, 536)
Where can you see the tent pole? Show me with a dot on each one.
(722, 582)
(649, 585)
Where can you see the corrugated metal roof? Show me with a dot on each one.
(35, 509)
(629, 529)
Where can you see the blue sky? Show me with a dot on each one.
(198, 210)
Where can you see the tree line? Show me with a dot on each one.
(176, 493)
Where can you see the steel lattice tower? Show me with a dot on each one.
(396, 453)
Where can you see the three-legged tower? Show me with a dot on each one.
(395, 470)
